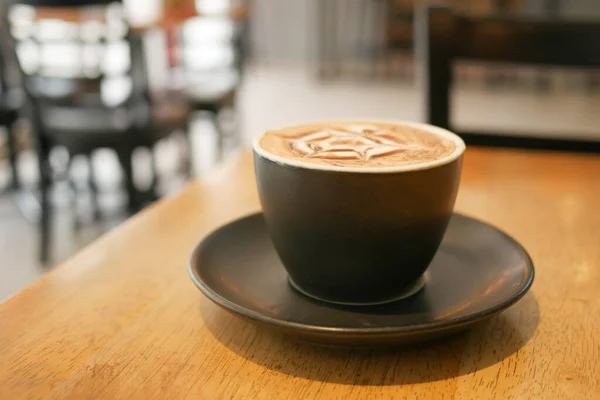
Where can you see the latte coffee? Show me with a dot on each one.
(357, 144)
(356, 210)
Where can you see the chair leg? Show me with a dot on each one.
(45, 224)
(189, 157)
(93, 189)
(220, 135)
(13, 156)
(229, 112)
(127, 165)
(74, 205)
(155, 175)
(45, 207)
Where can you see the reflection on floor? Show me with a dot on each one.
(271, 97)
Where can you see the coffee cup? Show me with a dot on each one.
(356, 210)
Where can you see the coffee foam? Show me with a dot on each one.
(360, 145)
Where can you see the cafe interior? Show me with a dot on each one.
(111, 111)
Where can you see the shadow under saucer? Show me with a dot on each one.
(485, 344)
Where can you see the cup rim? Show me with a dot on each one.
(444, 133)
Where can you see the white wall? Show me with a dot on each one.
(280, 29)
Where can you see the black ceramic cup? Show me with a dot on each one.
(355, 235)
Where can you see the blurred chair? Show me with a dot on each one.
(10, 102)
(84, 99)
(213, 54)
(442, 37)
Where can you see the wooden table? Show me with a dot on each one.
(122, 320)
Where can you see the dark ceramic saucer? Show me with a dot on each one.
(478, 272)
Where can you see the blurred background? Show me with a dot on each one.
(107, 106)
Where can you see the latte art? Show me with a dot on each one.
(357, 144)
(349, 144)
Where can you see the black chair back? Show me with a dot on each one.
(90, 37)
(443, 37)
(62, 3)
(9, 74)
(3, 80)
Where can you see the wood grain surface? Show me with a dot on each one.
(122, 320)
